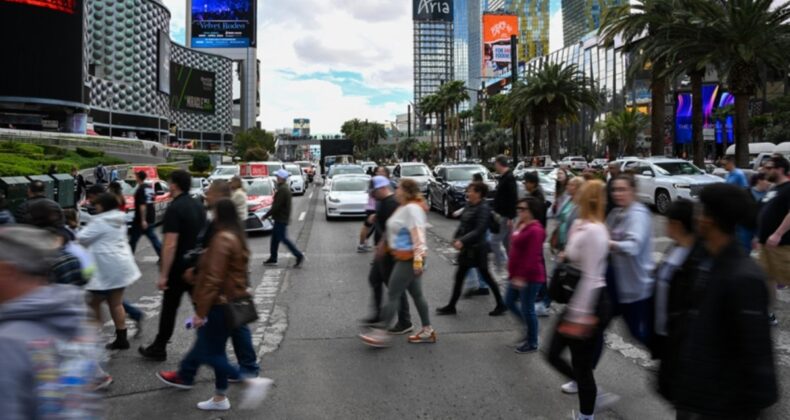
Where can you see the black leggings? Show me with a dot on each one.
(474, 259)
(584, 356)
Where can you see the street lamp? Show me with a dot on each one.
(441, 121)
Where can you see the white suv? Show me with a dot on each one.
(575, 162)
(662, 180)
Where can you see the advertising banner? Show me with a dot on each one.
(191, 89)
(497, 30)
(432, 10)
(223, 23)
(65, 6)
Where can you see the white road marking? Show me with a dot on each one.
(310, 196)
(302, 215)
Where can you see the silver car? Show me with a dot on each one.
(347, 197)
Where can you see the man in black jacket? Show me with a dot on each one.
(470, 241)
(718, 359)
(281, 213)
(505, 206)
(35, 193)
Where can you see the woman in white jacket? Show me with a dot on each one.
(105, 238)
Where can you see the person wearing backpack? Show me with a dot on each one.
(50, 354)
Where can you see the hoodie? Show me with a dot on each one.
(50, 357)
(631, 231)
(105, 238)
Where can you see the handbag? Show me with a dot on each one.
(240, 311)
(563, 283)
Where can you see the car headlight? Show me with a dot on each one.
(333, 200)
(682, 186)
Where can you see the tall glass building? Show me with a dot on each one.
(462, 19)
(533, 21)
(434, 49)
(580, 17)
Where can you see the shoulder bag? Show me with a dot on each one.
(563, 283)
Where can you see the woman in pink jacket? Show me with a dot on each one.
(527, 270)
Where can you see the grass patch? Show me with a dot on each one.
(22, 159)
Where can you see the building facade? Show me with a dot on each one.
(533, 20)
(434, 48)
(580, 17)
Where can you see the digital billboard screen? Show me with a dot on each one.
(432, 10)
(223, 23)
(44, 50)
(683, 115)
(191, 89)
(497, 30)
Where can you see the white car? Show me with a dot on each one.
(417, 171)
(368, 166)
(296, 180)
(661, 180)
(347, 197)
(224, 172)
(339, 169)
(574, 162)
(260, 195)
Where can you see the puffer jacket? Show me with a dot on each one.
(106, 240)
(221, 274)
(472, 230)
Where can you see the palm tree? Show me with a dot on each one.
(745, 36)
(452, 95)
(622, 127)
(429, 106)
(555, 92)
(638, 24)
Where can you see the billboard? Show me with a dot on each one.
(163, 63)
(223, 23)
(44, 54)
(683, 114)
(301, 127)
(432, 10)
(191, 89)
(497, 30)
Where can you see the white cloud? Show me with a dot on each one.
(555, 31)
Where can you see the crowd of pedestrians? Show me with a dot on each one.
(702, 311)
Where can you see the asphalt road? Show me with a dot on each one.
(307, 342)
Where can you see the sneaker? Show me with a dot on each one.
(401, 329)
(424, 336)
(244, 376)
(270, 263)
(363, 248)
(171, 378)
(211, 405)
(570, 388)
(498, 311)
(526, 348)
(541, 310)
(368, 322)
(605, 400)
(256, 391)
(376, 338)
(446, 310)
(153, 353)
(102, 383)
(299, 261)
(772, 320)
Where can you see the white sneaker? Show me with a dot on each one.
(605, 400)
(570, 388)
(255, 392)
(211, 405)
(541, 310)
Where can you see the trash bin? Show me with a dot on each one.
(64, 190)
(49, 185)
(15, 190)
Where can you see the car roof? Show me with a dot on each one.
(412, 164)
(346, 176)
(345, 165)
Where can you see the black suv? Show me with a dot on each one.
(447, 191)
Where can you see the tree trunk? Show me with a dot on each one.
(536, 140)
(524, 134)
(697, 119)
(658, 87)
(553, 146)
(741, 129)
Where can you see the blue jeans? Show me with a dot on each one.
(136, 232)
(639, 318)
(525, 314)
(279, 234)
(474, 280)
(209, 349)
(245, 352)
(132, 311)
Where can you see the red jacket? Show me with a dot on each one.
(525, 259)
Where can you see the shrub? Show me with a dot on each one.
(166, 170)
(256, 154)
(54, 151)
(201, 163)
(89, 152)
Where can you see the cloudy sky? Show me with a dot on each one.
(334, 60)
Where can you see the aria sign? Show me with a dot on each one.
(433, 10)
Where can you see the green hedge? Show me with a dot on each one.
(89, 152)
(21, 159)
(166, 170)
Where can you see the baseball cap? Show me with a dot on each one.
(282, 173)
(380, 182)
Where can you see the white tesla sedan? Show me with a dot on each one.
(296, 180)
(347, 197)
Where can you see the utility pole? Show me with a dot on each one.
(514, 79)
(441, 121)
(408, 117)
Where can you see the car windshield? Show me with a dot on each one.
(260, 188)
(341, 170)
(465, 173)
(415, 170)
(197, 182)
(273, 167)
(225, 171)
(127, 189)
(579, 159)
(351, 184)
(293, 170)
(678, 168)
